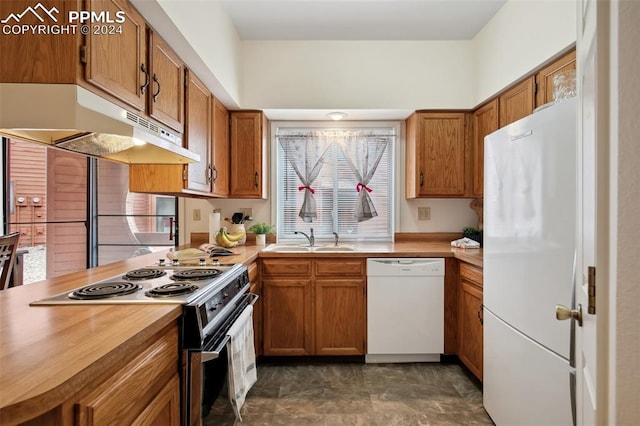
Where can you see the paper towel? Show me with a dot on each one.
(214, 226)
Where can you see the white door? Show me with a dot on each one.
(593, 109)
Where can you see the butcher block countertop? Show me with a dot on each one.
(48, 353)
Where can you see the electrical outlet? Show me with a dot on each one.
(246, 211)
(424, 213)
(196, 214)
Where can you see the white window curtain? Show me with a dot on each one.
(363, 152)
(326, 176)
(306, 153)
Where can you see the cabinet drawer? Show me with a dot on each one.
(340, 266)
(471, 273)
(286, 267)
(144, 377)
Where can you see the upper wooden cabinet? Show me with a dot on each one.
(485, 121)
(544, 77)
(117, 63)
(248, 155)
(517, 102)
(165, 92)
(220, 147)
(198, 134)
(435, 154)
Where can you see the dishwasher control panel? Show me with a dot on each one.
(408, 266)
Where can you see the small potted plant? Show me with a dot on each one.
(261, 230)
(473, 234)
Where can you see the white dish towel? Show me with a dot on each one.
(241, 356)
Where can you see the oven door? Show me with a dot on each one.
(207, 369)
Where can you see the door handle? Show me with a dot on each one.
(564, 313)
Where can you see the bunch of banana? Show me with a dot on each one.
(229, 240)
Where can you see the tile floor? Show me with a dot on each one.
(357, 394)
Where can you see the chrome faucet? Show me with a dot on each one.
(311, 238)
(335, 238)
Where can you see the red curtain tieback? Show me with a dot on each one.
(360, 185)
(300, 188)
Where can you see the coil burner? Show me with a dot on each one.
(195, 274)
(173, 289)
(144, 274)
(104, 290)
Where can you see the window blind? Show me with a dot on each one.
(335, 193)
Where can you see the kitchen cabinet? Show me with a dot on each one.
(248, 155)
(339, 302)
(256, 288)
(517, 102)
(485, 121)
(544, 77)
(435, 154)
(198, 134)
(193, 179)
(117, 63)
(165, 93)
(470, 311)
(313, 306)
(220, 147)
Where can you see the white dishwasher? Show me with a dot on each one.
(405, 310)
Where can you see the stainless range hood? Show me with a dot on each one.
(70, 117)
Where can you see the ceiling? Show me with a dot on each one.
(360, 19)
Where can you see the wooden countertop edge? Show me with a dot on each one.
(27, 409)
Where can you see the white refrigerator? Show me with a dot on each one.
(529, 250)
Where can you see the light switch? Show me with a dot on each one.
(424, 213)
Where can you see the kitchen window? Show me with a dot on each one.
(336, 187)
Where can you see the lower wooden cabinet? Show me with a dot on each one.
(313, 306)
(256, 288)
(470, 321)
(146, 391)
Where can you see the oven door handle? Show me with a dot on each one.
(215, 354)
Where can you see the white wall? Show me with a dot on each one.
(520, 37)
(624, 207)
(356, 74)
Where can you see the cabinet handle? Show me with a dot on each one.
(209, 173)
(480, 314)
(155, 95)
(421, 178)
(255, 179)
(215, 174)
(143, 88)
(171, 228)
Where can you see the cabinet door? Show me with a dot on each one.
(116, 63)
(440, 154)
(517, 102)
(166, 89)
(220, 146)
(485, 121)
(470, 336)
(544, 78)
(340, 320)
(197, 135)
(287, 317)
(255, 288)
(248, 154)
(165, 407)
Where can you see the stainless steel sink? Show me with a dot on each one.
(334, 248)
(289, 248)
